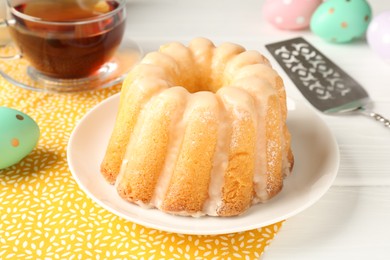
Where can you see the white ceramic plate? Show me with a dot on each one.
(316, 164)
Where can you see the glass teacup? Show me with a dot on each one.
(66, 42)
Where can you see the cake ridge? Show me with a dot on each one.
(237, 191)
(175, 140)
(220, 162)
(191, 175)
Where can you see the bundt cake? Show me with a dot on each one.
(201, 130)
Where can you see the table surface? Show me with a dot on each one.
(351, 220)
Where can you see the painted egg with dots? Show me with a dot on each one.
(341, 21)
(19, 134)
(378, 35)
(290, 14)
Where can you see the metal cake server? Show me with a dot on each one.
(325, 85)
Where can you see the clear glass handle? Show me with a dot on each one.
(3, 24)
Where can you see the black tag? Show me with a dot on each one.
(322, 82)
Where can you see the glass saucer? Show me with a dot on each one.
(21, 74)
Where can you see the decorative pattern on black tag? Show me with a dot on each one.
(322, 82)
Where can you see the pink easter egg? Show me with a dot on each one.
(290, 14)
(378, 35)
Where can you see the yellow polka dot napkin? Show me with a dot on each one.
(45, 215)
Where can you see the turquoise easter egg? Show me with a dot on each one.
(341, 20)
(19, 134)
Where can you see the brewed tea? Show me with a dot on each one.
(67, 39)
(65, 10)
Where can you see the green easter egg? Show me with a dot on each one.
(19, 134)
(341, 20)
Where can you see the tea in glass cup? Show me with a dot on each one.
(66, 39)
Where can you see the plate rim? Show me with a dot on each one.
(191, 231)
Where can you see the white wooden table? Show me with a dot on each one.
(352, 220)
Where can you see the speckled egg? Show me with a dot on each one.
(290, 14)
(378, 35)
(19, 134)
(341, 20)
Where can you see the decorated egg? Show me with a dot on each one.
(18, 136)
(290, 14)
(378, 35)
(341, 21)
